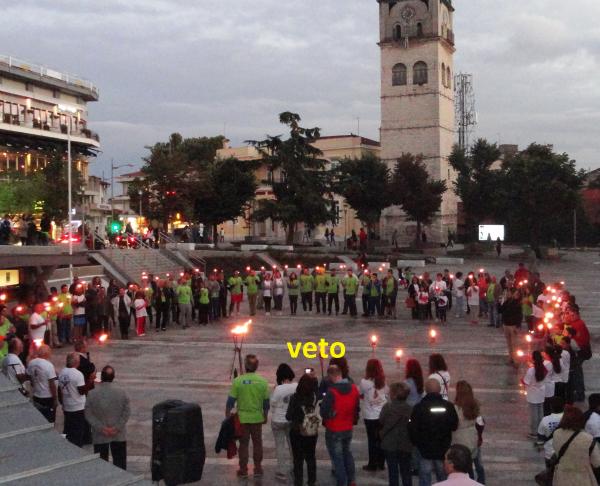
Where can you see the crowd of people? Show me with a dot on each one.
(402, 430)
(412, 427)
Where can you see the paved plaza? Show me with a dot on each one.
(194, 365)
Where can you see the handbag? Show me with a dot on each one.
(546, 477)
(410, 303)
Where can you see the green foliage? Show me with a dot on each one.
(413, 190)
(364, 183)
(54, 190)
(477, 184)
(228, 187)
(20, 194)
(303, 191)
(544, 190)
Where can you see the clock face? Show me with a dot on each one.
(408, 14)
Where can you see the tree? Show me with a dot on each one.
(302, 192)
(172, 174)
(55, 187)
(477, 183)
(364, 183)
(21, 194)
(419, 196)
(229, 186)
(545, 190)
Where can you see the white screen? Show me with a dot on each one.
(495, 231)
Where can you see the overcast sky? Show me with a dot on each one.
(204, 67)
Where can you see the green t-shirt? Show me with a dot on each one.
(65, 300)
(204, 299)
(489, 295)
(250, 390)
(321, 283)
(4, 327)
(184, 294)
(374, 289)
(333, 284)
(252, 282)
(294, 287)
(389, 286)
(351, 285)
(236, 285)
(307, 283)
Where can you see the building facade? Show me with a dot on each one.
(334, 148)
(40, 108)
(417, 100)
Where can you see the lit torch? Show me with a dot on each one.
(374, 343)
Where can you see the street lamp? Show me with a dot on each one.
(345, 226)
(140, 194)
(112, 185)
(72, 110)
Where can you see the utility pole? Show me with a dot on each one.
(575, 229)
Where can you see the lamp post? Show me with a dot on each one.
(141, 217)
(345, 226)
(112, 185)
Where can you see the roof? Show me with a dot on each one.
(33, 453)
(363, 140)
(138, 173)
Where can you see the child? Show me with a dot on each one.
(140, 312)
(441, 306)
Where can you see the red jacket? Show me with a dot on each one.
(340, 407)
(582, 335)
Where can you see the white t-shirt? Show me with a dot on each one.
(459, 288)
(373, 399)
(565, 365)
(443, 377)
(140, 312)
(78, 310)
(592, 426)
(442, 301)
(550, 379)
(280, 400)
(38, 333)
(279, 283)
(536, 390)
(68, 380)
(473, 295)
(437, 288)
(548, 425)
(11, 367)
(41, 371)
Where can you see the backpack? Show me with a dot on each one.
(310, 423)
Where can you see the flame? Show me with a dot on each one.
(373, 339)
(38, 342)
(433, 333)
(243, 329)
(399, 353)
(103, 337)
(3, 297)
(520, 353)
(528, 338)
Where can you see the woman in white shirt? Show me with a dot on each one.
(267, 292)
(279, 286)
(374, 393)
(279, 402)
(473, 301)
(438, 370)
(535, 380)
(557, 379)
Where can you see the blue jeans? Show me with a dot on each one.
(478, 465)
(428, 466)
(493, 312)
(483, 307)
(460, 306)
(338, 445)
(398, 462)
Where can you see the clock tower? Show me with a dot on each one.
(417, 101)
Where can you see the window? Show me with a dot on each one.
(399, 75)
(397, 32)
(419, 29)
(420, 73)
(443, 74)
(449, 77)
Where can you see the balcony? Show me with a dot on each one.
(46, 129)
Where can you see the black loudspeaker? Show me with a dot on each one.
(178, 452)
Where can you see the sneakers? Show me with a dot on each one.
(241, 473)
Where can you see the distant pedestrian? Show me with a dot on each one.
(374, 393)
(140, 305)
(438, 370)
(293, 286)
(280, 425)
(498, 247)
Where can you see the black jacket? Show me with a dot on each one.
(512, 313)
(294, 413)
(431, 425)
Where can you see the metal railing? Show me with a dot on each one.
(166, 238)
(43, 71)
(48, 127)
